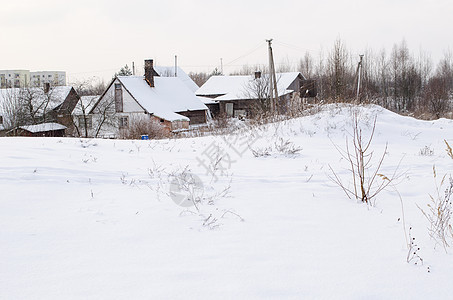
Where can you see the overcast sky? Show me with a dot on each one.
(97, 37)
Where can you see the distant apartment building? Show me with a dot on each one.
(25, 78)
(14, 78)
(55, 78)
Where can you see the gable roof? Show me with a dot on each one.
(55, 97)
(238, 87)
(169, 96)
(85, 102)
(170, 72)
(41, 101)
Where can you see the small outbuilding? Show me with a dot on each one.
(41, 130)
(237, 96)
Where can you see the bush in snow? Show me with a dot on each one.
(367, 182)
(439, 211)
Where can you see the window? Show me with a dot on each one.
(124, 122)
(229, 109)
(16, 75)
(89, 122)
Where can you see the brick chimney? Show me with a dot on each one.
(149, 72)
(46, 87)
(257, 74)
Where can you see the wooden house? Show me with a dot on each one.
(26, 106)
(165, 102)
(40, 130)
(236, 96)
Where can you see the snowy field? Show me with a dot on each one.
(98, 219)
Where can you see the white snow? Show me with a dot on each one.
(93, 219)
(206, 100)
(241, 87)
(165, 71)
(168, 97)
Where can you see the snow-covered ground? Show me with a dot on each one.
(98, 219)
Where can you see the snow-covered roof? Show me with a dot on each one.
(55, 97)
(170, 72)
(43, 127)
(169, 96)
(241, 87)
(86, 103)
(206, 100)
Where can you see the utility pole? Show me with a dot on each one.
(221, 66)
(272, 80)
(359, 71)
(133, 68)
(176, 66)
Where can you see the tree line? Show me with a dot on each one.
(397, 80)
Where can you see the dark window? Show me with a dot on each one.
(89, 122)
(124, 122)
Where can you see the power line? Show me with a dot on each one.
(294, 47)
(261, 44)
(94, 71)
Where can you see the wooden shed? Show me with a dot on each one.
(41, 130)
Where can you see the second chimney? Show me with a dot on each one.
(46, 87)
(257, 74)
(149, 72)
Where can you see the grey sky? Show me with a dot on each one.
(97, 37)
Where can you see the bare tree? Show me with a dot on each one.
(436, 96)
(104, 114)
(12, 108)
(306, 65)
(199, 77)
(25, 106)
(258, 89)
(338, 70)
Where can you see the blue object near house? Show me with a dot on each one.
(145, 137)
